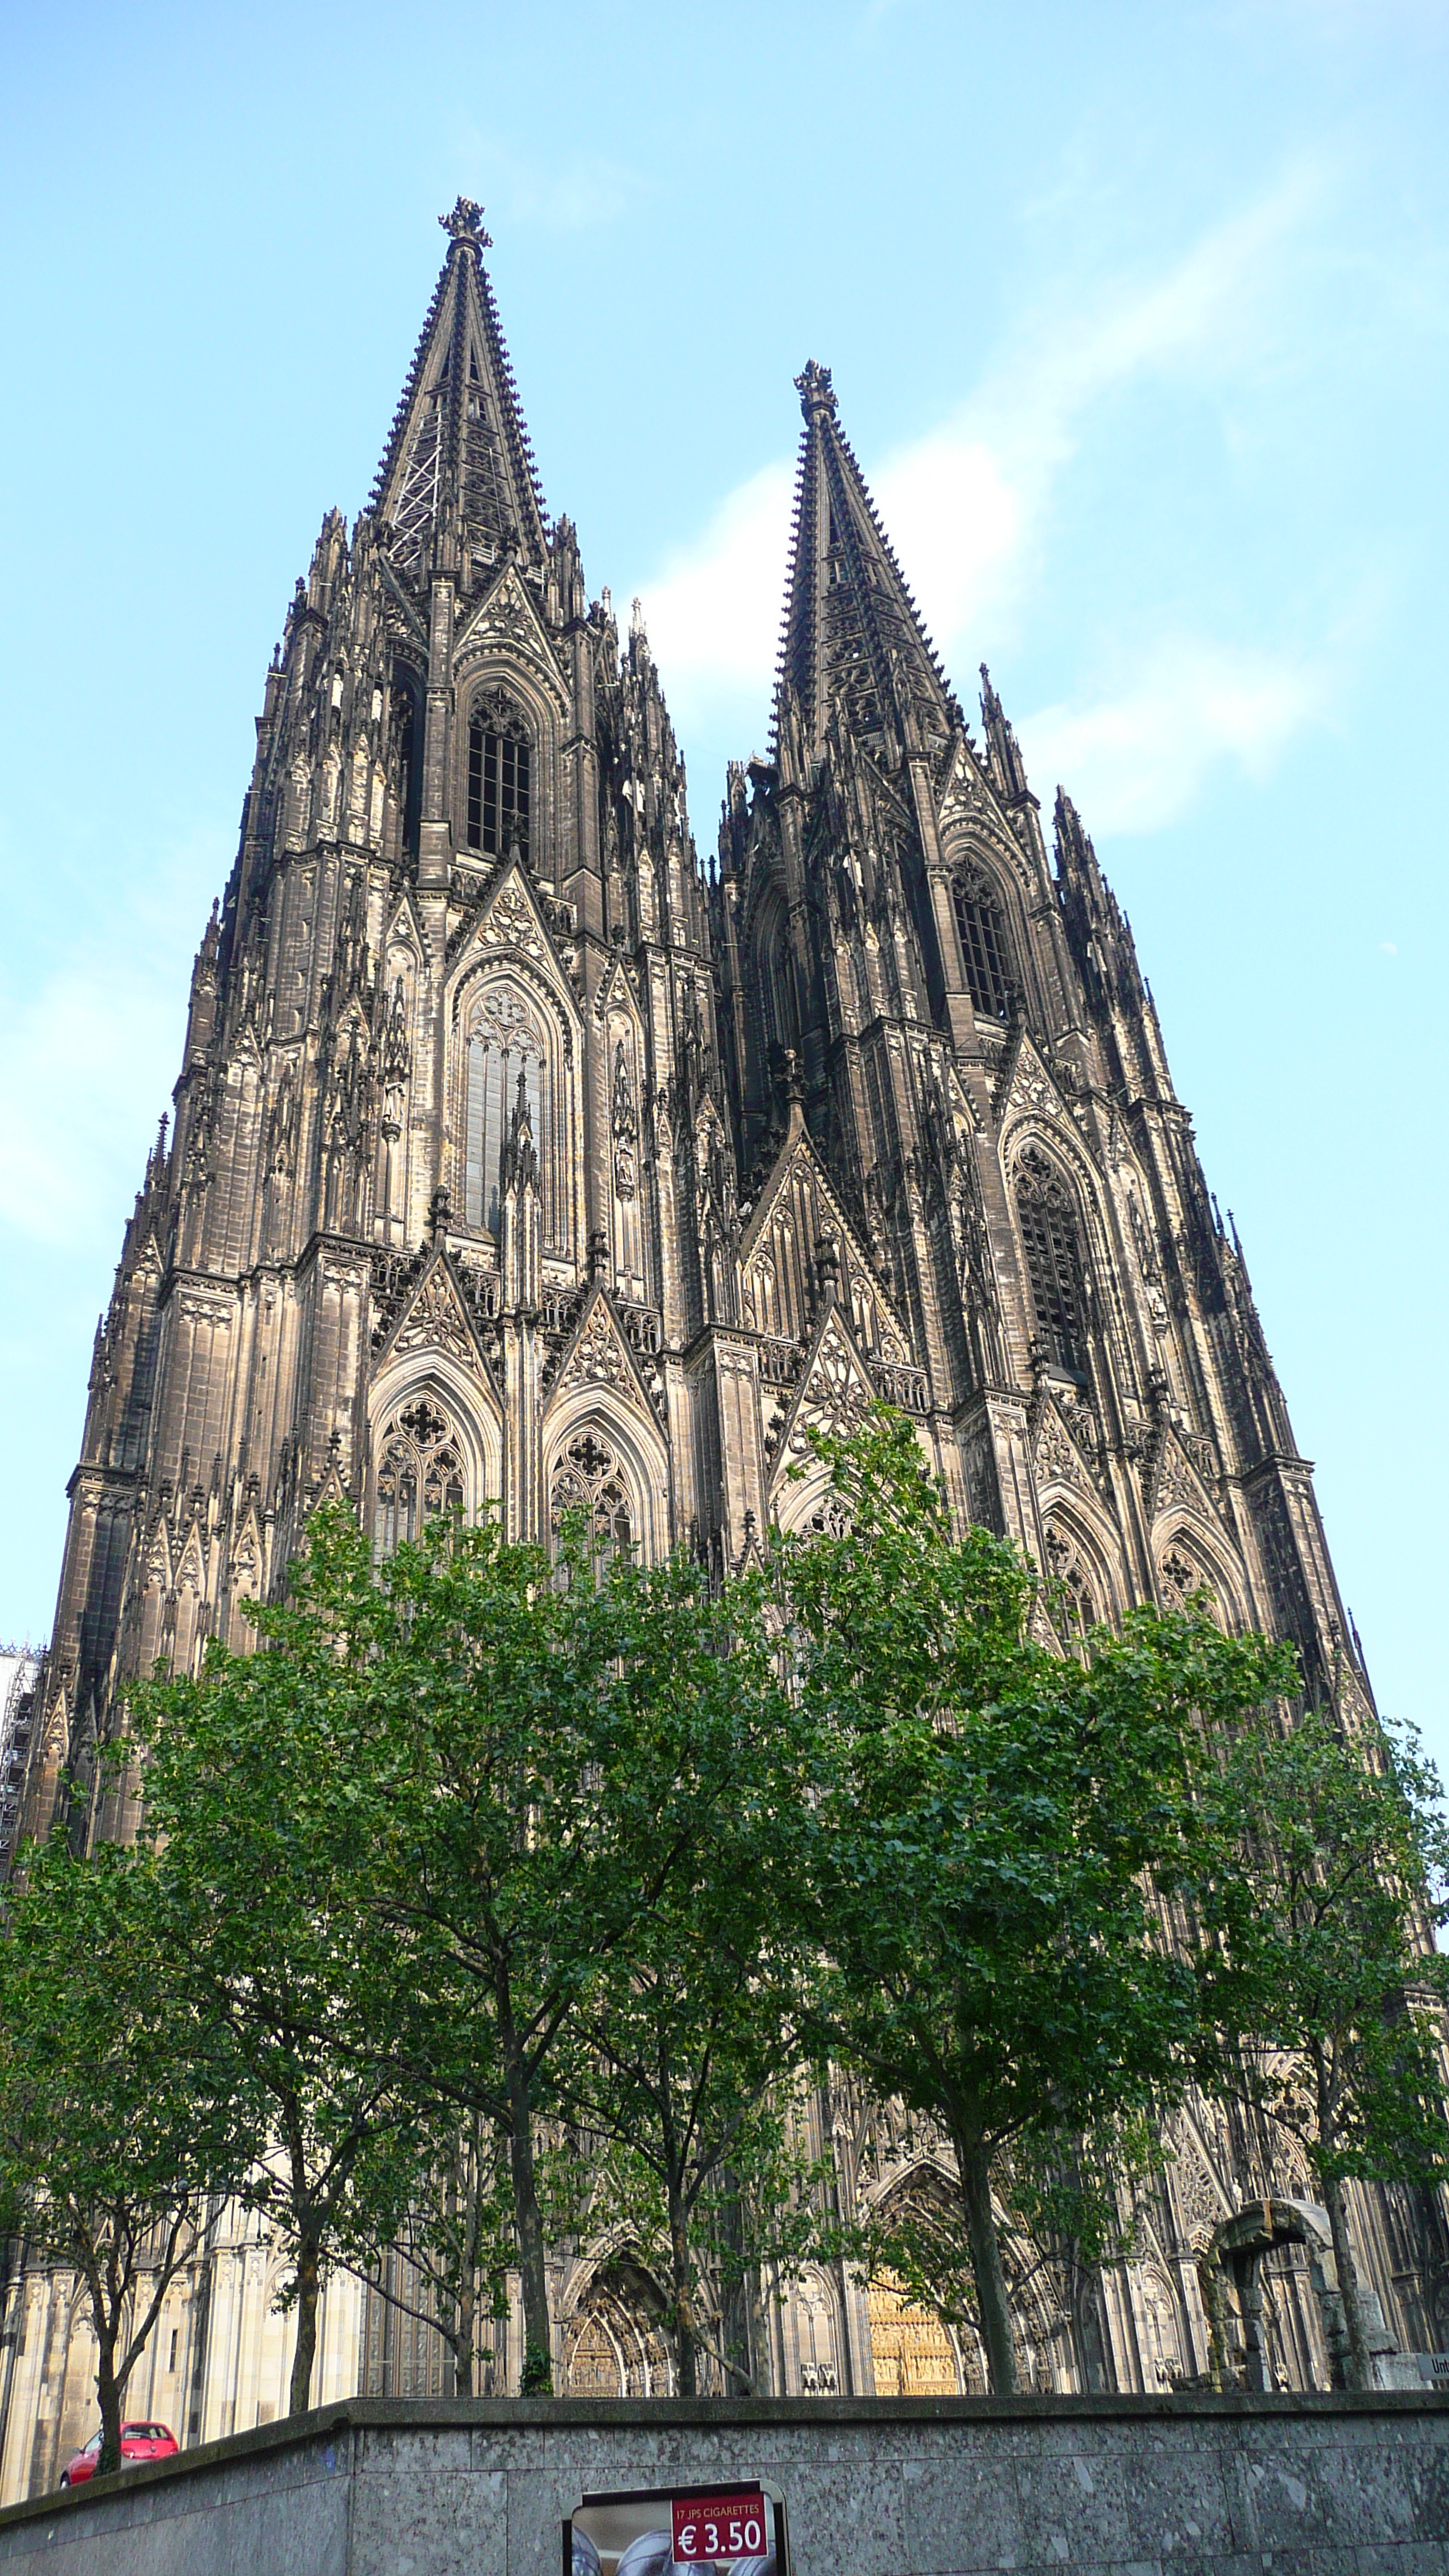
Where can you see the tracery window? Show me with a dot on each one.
(1047, 1216)
(985, 949)
(588, 1479)
(419, 1474)
(507, 1035)
(499, 780)
(1074, 1600)
(1179, 1576)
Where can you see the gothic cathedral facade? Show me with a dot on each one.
(519, 1159)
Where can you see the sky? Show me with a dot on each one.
(1139, 322)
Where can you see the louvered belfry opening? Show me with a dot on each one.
(498, 780)
(1052, 1245)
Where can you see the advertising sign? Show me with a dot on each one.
(731, 2527)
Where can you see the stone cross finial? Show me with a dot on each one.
(465, 224)
(815, 389)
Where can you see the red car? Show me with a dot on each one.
(138, 2442)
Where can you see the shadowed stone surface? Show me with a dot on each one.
(1117, 2486)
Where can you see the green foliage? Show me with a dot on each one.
(264, 1781)
(496, 1889)
(1324, 1994)
(998, 1838)
(121, 2106)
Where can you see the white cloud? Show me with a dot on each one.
(968, 504)
(1136, 759)
(713, 613)
(556, 197)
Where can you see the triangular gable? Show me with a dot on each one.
(434, 1317)
(616, 991)
(510, 918)
(509, 614)
(599, 1355)
(1175, 1484)
(1026, 1081)
(798, 1156)
(404, 927)
(1056, 1456)
(965, 790)
(834, 1391)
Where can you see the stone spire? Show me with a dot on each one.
(853, 648)
(458, 468)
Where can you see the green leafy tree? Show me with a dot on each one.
(453, 2243)
(579, 1744)
(999, 1838)
(264, 1777)
(1324, 1993)
(122, 2109)
(690, 2031)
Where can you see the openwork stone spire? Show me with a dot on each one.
(458, 469)
(853, 645)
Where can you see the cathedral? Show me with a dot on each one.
(519, 1158)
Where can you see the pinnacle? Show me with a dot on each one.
(458, 469)
(853, 645)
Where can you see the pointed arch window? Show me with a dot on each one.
(419, 1474)
(985, 948)
(506, 1034)
(499, 778)
(1047, 1216)
(588, 1479)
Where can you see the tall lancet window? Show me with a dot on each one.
(1046, 1213)
(506, 1036)
(499, 778)
(985, 950)
(419, 1474)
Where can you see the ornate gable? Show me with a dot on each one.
(1027, 1083)
(796, 1211)
(510, 919)
(434, 1317)
(508, 618)
(1056, 1458)
(834, 1391)
(599, 1356)
(1174, 1484)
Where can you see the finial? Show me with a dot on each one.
(814, 388)
(465, 224)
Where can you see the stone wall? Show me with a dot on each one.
(1201, 2486)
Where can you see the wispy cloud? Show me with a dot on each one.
(1137, 758)
(714, 610)
(970, 508)
(566, 196)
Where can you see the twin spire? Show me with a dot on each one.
(458, 469)
(853, 647)
(458, 474)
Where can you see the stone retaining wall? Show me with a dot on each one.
(1139, 2486)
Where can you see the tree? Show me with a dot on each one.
(262, 1790)
(1323, 1992)
(453, 2243)
(580, 1743)
(122, 2109)
(999, 1835)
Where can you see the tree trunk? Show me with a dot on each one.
(684, 2336)
(465, 2339)
(975, 2162)
(299, 2396)
(537, 2329)
(1357, 2367)
(109, 2397)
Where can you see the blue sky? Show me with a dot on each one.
(1139, 318)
